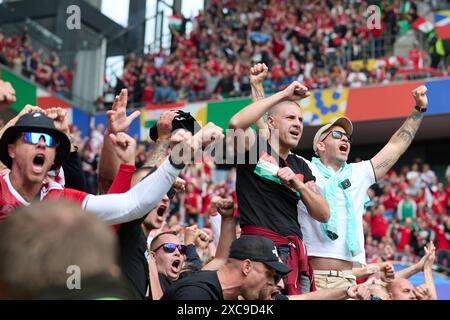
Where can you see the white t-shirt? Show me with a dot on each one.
(317, 243)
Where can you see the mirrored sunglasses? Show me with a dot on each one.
(338, 135)
(35, 138)
(170, 247)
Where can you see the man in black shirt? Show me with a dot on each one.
(273, 180)
(251, 272)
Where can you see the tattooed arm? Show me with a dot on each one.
(161, 147)
(257, 75)
(384, 160)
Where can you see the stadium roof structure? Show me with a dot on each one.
(51, 14)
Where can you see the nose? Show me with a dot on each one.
(41, 142)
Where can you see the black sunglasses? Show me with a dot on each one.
(170, 247)
(338, 135)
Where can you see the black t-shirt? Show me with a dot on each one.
(133, 261)
(266, 203)
(201, 285)
(164, 282)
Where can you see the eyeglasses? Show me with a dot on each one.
(338, 135)
(170, 247)
(35, 138)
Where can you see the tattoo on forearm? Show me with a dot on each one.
(159, 153)
(410, 127)
(257, 93)
(384, 164)
(405, 135)
(416, 115)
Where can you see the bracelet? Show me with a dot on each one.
(421, 110)
(176, 166)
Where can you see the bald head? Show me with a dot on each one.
(280, 107)
(401, 289)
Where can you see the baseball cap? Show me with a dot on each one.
(259, 249)
(344, 122)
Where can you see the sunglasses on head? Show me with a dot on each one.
(170, 247)
(338, 135)
(35, 138)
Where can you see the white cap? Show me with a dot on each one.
(344, 122)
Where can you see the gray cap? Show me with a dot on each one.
(344, 122)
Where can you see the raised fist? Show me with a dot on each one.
(258, 73)
(420, 97)
(296, 91)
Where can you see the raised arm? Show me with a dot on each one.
(252, 113)
(384, 160)
(117, 122)
(428, 271)
(227, 233)
(144, 196)
(155, 286)
(139, 200)
(161, 147)
(258, 74)
(255, 111)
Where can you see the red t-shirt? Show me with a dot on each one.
(405, 235)
(390, 201)
(191, 199)
(442, 239)
(10, 199)
(379, 226)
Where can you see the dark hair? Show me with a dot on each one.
(155, 239)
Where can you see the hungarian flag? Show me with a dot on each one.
(175, 22)
(423, 25)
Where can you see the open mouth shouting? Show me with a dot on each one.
(176, 266)
(38, 163)
(343, 148)
(160, 213)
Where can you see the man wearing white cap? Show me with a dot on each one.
(337, 246)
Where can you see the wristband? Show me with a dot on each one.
(421, 110)
(176, 166)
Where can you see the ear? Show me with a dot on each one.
(246, 267)
(270, 122)
(153, 254)
(320, 146)
(12, 150)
